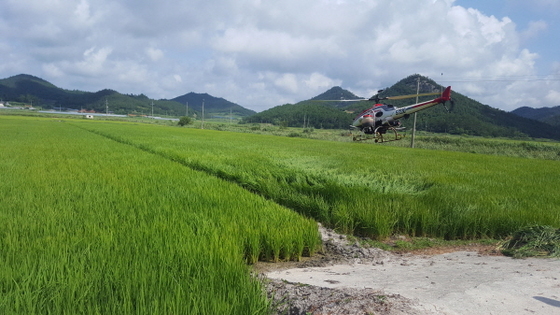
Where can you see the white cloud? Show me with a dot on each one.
(553, 97)
(226, 66)
(265, 53)
(94, 60)
(287, 82)
(555, 69)
(317, 82)
(535, 28)
(52, 70)
(82, 12)
(511, 66)
(154, 53)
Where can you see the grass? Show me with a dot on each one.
(365, 189)
(120, 217)
(531, 241)
(91, 226)
(527, 148)
(501, 147)
(407, 244)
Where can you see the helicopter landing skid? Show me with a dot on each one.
(379, 137)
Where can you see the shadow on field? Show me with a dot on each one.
(548, 301)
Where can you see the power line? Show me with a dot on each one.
(506, 79)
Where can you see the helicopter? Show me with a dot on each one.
(381, 119)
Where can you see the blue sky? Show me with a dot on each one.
(263, 53)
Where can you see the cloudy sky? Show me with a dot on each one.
(263, 53)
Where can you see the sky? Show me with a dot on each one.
(264, 53)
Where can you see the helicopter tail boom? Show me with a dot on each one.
(407, 110)
(446, 95)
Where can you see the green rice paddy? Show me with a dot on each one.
(103, 217)
(92, 226)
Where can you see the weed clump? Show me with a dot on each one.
(534, 241)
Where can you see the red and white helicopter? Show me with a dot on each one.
(381, 118)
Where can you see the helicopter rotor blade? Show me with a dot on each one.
(354, 100)
(402, 97)
(376, 98)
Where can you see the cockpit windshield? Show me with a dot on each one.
(376, 108)
(385, 106)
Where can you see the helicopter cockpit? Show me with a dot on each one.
(385, 106)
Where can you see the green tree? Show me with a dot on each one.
(185, 120)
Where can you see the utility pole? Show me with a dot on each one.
(152, 109)
(106, 107)
(414, 123)
(187, 112)
(202, 126)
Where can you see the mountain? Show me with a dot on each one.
(316, 112)
(212, 104)
(32, 90)
(336, 93)
(550, 115)
(13, 82)
(29, 89)
(467, 117)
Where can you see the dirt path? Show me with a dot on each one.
(350, 279)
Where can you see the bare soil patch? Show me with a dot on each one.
(347, 278)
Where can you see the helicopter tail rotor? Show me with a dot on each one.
(451, 105)
(446, 97)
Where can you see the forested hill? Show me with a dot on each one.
(467, 117)
(37, 92)
(315, 113)
(305, 114)
(550, 115)
(212, 104)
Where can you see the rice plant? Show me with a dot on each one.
(537, 240)
(370, 190)
(89, 225)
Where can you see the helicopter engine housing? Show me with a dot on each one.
(367, 121)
